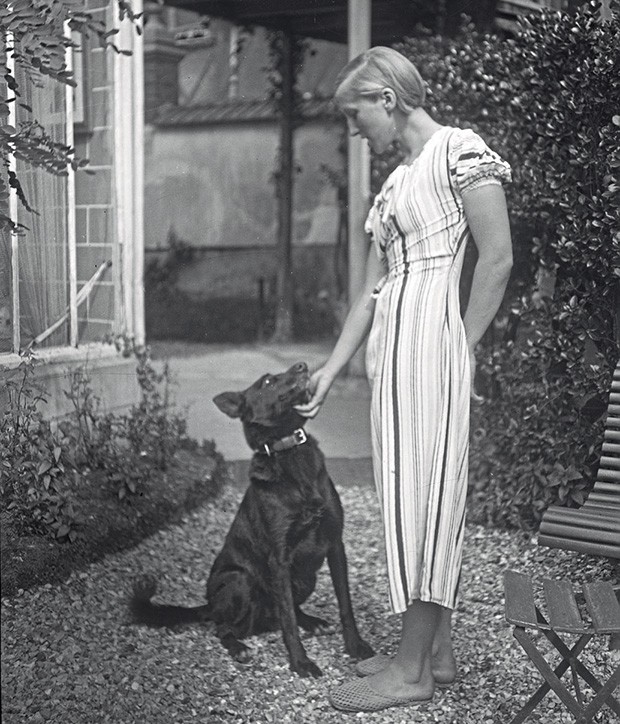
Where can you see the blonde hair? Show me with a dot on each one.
(380, 67)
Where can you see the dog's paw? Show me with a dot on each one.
(306, 668)
(314, 625)
(145, 587)
(359, 649)
(237, 649)
(242, 654)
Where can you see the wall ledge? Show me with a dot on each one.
(92, 352)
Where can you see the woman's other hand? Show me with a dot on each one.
(472, 371)
(319, 385)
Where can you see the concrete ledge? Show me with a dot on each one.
(113, 380)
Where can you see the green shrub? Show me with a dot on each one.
(545, 100)
(130, 447)
(41, 465)
(33, 485)
(153, 429)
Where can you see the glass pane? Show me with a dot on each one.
(43, 260)
(6, 299)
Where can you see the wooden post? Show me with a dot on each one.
(71, 222)
(9, 42)
(137, 240)
(284, 295)
(358, 34)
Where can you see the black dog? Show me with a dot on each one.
(289, 521)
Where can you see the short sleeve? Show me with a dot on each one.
(369, 225)
(372, 226)
(474, 164)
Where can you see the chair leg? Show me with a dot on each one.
(542, 691)
(548, 673)
(579, 667)
(604, 696)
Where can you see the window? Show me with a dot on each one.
(56, 282)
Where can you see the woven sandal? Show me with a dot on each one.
(375, 664)
(360, 696)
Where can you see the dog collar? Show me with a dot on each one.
(298, 437)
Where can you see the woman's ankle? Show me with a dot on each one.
(414, 671)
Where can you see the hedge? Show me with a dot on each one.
(548, 100)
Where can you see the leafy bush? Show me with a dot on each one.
(545, 100)
(125, 451)
(127, 447)
(33, 487)
(153, 430)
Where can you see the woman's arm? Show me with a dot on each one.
(487, 217)
(355, 329)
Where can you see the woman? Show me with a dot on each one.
(420, 357)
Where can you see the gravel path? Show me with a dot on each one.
(70, 655)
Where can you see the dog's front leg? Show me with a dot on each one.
(354, 644)
(280, 566)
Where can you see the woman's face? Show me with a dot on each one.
(368, 117)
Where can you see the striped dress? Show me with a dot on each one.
(418, 365)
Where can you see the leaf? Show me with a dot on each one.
(44, 466)
(57, 453)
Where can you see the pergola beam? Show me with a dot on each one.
(358, 34)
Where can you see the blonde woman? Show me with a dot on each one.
(420, 357)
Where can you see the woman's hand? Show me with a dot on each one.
(472, 372)
(319, 385)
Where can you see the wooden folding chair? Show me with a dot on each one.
(563, 606)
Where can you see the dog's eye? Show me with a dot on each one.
(267, 381)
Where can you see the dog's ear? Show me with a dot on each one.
(230, 403)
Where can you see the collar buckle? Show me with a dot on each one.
(297, 437)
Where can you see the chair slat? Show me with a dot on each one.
(562, 607)
(612, 435)
(609, 462)
(520, 606)
(613, 418)
(603, 607)
(581, 517)
(581, 546)
(583, 533)
(604, 486)
(615, 396)
(608, 475)
(607, 499)
(610, 448)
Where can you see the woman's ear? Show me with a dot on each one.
(388, 98)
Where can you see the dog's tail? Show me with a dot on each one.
(145, 611)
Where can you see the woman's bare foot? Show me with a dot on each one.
(444, 668)
(396, 681)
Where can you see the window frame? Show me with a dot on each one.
(5, 358)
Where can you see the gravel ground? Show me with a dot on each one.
(70, 654)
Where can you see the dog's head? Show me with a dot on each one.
(266, 407)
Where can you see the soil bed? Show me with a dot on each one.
(107, 524)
